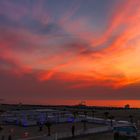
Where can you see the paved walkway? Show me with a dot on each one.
(68, 134)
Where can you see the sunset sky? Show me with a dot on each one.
(64, 51)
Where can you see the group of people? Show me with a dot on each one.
(9, 137)
(4, 138)
(48, 125)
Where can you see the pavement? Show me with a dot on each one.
(69, 135)
(33, 132)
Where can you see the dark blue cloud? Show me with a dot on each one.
(33, 25)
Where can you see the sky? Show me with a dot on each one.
(65, 51)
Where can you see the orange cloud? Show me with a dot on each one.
(78, 55)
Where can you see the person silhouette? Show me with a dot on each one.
(40, 127)
(9, 137)
(2, 138)
(73, 130)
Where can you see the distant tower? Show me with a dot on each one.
(82, 103)
(127, 106)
